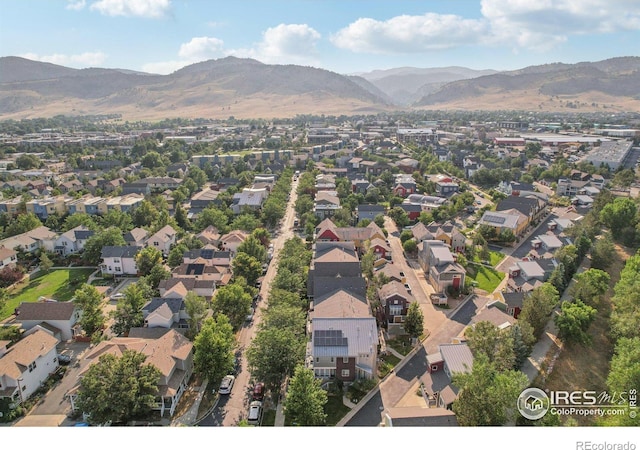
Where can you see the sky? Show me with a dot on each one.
(344, 36)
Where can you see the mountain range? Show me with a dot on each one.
(246, 88)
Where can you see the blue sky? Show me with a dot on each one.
(345, 36)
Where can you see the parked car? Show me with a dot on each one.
(226, 384)
(249, 317)
(117, 296)
(258, 391)
(255, 413)
(64, 360)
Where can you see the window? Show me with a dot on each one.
(118, 269)
(345, 360)
(345, 373)
(434, 368)
(332, 360)
(317, 359)
(116, 260)
(32, 366)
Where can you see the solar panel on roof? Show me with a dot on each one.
(495, 219)
(329, 338)
(206, 253)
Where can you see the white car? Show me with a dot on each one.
(255, 413)
(226, 384)
(117, 296)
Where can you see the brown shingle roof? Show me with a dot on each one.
(46, 311)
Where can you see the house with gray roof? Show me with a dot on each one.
(119, 260)
(60, 318)
(457, 358)
(165, 313)
(72, 241)
(343, 348)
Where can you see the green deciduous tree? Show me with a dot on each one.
(574, 321)
(232, 301)
(487, 396)
(89, 300)
(497, 345)
(118, 389)
(283, 315)
(306, 399)
(619, 214)
(253, 247)
(603, 253)
(128, 313)
(414, 322)
(246, 266)
(107, 237)
(537, 306)
(273, 354)
(213, 348)
(196, 307)
(45, 262)
(147, 259)
(590, 286)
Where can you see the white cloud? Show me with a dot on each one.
(153, 9)
(76, 5)
(538, 25)
(87, 59)
(409, 34)
(201, 48)
(284, 44)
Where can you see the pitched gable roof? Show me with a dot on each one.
(46, 311)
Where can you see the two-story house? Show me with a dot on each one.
(58, 317)
(394, 301)
(163, 239)
(26, 365)
(119, 260)
(440, 266)
(166, 313)
(166, 349)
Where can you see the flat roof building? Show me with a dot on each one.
(611, 153)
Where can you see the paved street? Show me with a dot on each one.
(232, 408)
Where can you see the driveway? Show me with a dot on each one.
(54, 402)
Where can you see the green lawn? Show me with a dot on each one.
(487, 279)
(494, 258)
(335, 409)
(57, 284)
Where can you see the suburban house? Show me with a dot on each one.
(31, 241)
(392, 272)
(394, 301)
(427, 202)
(168, 350)
(533, 207)
(26, 365)
(404, 186)
(369, 211)
(209, 236)
(547, 242)
(232, 240)
(440, 265)
(327, 231)
(180, 286)
(60, 318)
(249, 199)
(446, 232)
(119, 260)
(360, 186)
(326, 203)
(136, 237)
(335, 265)
(200, 269)
(511, 220)
(163, 239)
(211, 257)
(513, 302)
(72, 241)
(166, 313)
(381, 249)
(457, 358)
(343, 348)
(445, 187)
(8, 257)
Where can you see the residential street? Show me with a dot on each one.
(233, 407)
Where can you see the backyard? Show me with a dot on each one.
(486, 278)
(57, 284)
(494, 258)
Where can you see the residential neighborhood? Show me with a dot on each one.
(389, 258)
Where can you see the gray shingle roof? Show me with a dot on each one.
(122, 251)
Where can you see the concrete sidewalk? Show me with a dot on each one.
(191, 416)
